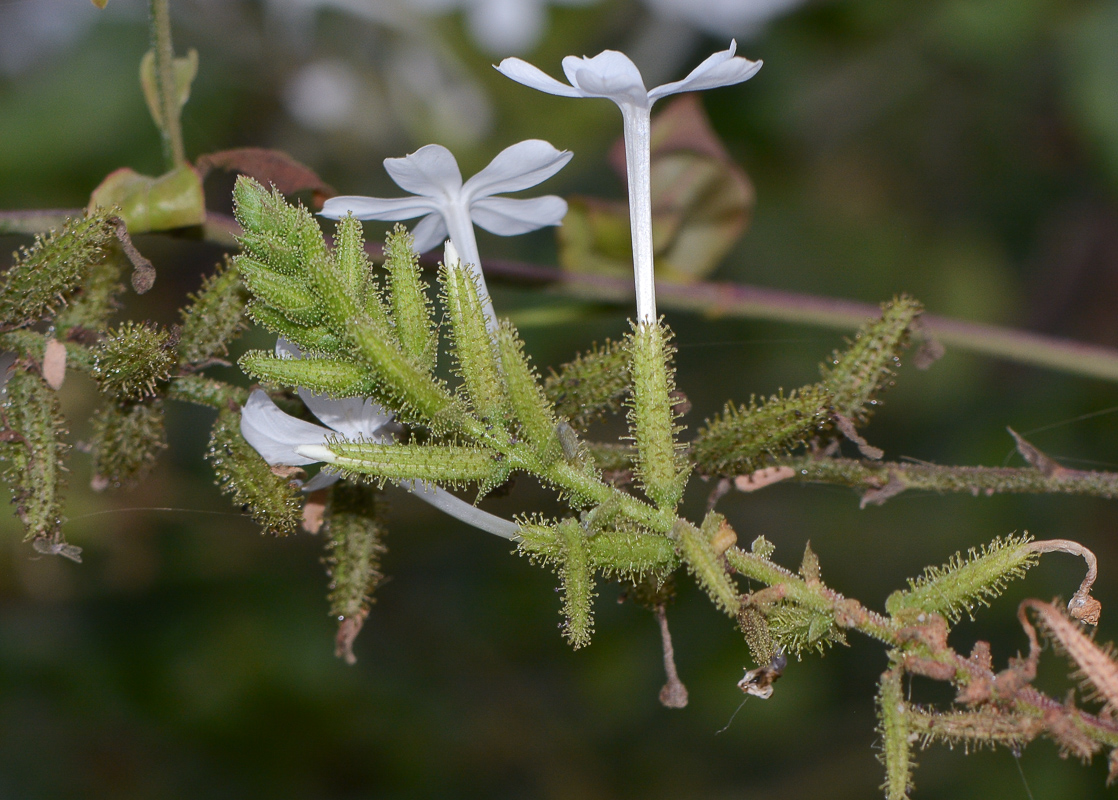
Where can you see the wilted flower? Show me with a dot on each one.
(450, 207)
(614, 76)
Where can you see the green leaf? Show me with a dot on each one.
(185, 69)
(171, 200)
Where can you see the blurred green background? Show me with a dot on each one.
(965, 151)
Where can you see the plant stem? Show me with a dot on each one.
(173, 153)
(876, 476)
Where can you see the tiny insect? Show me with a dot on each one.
(759, 682)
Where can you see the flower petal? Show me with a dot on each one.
(721, 69)
(325, 477)
(390, 209)
(507, 216)
(275, 434)
(518, 167)
(355, 418)
(523, 72)
(430, 171)
(429, 232)
(609, 74)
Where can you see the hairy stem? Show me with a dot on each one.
(173, 152)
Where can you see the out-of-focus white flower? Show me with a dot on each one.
(282, 439)
(719, 17)
(501, 27)
(321, 96)
(613, 76)
(450, 207)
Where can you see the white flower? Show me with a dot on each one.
(614, 76)
(282, 439)
(450, 207)
(275, 435)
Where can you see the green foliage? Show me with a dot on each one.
(215, 317)
(354, 546)
(441, 464)
(743, 439)
(704, 563)
(407, 295)
(896, 747)
(46, 275)
(591, 385)
(320, 375)
(798, 628)
(661, 465)
(34, 454)
(478, 364)
(961, 583)
(127, 439)
(856, 377)
(529, 405)
(153, 202)
(577, 579)
(130, 362)
(244, 475)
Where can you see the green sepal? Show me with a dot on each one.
(132, 362)
(284, 238)
(439, 464)
(354, 546)
(896, 745)
(857, 376)
(743, 439)
(309, 338)
(34, 453)
(291, 297)
(91, 308)
(632, 555)
(127, 439)
(798, 629)
(45, 275)
(215, 317)
(577, 578)
(407, 294)
(319, 375)
(242, 473)
(529, 405)
(698, 554)
(591, 385)
(964, 582)
(660, 466)
(472, 346)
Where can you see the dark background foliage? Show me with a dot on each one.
(965, 151)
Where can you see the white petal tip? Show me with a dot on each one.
(317, 452)
(450, 255)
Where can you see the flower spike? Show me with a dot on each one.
(613, 76)
(451, 207)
